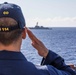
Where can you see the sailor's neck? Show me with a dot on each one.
(15, 48)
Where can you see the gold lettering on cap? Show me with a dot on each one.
(5, 29)
(5, 12)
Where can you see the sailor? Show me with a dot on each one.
(12, 61)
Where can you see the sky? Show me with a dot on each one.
(48, 13)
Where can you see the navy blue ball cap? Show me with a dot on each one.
(12, 11)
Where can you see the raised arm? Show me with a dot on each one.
(49, 57)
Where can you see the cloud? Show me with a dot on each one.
(53, 22)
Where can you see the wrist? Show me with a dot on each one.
(46, 53)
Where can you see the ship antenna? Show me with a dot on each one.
(37, 24)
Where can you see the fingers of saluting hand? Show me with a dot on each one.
(32, 36)
(36, 43)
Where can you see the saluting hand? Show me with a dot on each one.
(37, 44)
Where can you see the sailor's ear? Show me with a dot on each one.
(24, 33)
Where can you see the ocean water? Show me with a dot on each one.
(60, 40)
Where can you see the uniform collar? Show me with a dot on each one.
(11, 55)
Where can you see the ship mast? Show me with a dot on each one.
(37, 24)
